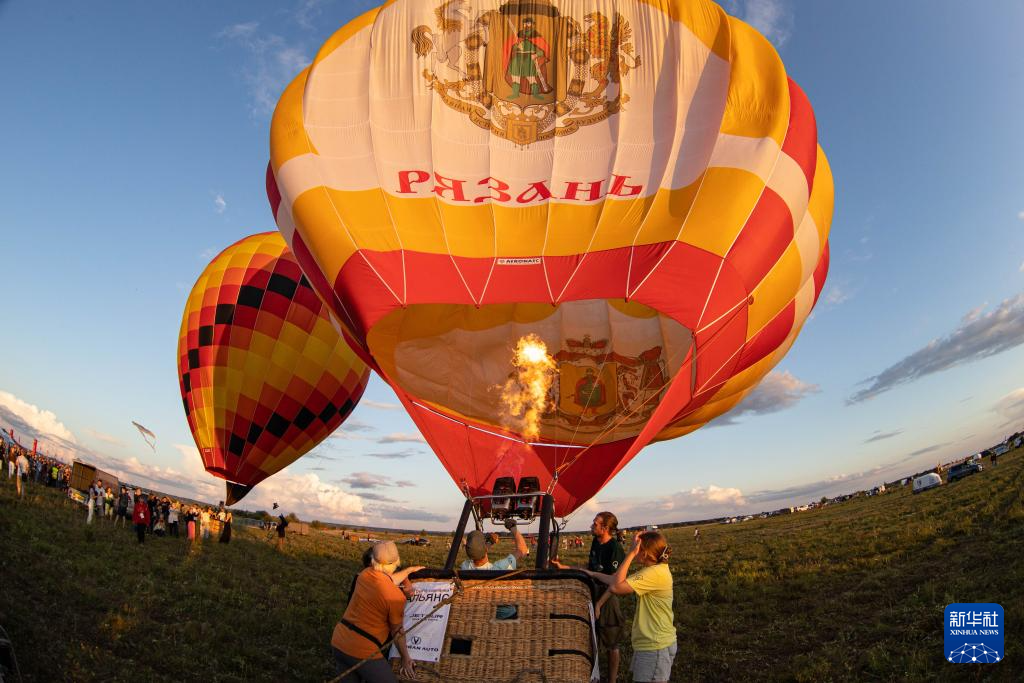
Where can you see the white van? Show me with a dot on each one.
(927, 481)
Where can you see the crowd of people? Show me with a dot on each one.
(374, 615)
(30, 466)
(151, 513)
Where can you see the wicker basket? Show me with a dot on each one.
(550, 639)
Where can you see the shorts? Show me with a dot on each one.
(610, 624)
(653, 665)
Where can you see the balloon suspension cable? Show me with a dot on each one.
(551, 486)
(566, 465)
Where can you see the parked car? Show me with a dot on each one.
(963, 469)
(419, 540)
(927, 481)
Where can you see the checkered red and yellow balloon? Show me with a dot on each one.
(264, 375)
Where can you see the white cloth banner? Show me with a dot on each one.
(426, 640)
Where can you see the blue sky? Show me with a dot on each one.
(135, 139)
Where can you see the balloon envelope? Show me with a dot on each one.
(264, 375)
(636, 183)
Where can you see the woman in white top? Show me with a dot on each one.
(204, 522)
(172, 519)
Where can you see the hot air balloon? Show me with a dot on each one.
(264, 375)
(636, 187)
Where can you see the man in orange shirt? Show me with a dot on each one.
(372, 617)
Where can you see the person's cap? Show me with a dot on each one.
(476, 545)
(385, 552)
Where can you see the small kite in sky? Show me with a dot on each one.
(149, 436)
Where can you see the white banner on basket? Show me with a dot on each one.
(426, 640)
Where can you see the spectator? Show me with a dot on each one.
(108, 504)
(696, 535)
(123, 500)
(90, 504)
(476, 550)
(372, 617)
(140, 516)
(282, 524)
(204, 523)
(654, 633)
(190, 522)
(225, 526)
(172, 519)
(21, 475)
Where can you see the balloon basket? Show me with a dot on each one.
(534, 625)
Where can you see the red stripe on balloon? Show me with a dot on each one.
(802, 137)
(764, 238)
(820, 273)
(769, 338)
(433, 278)
(273, 193)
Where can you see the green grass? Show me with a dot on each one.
(851, 592)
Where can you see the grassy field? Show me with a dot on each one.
(851, 592)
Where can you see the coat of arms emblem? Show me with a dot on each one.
(525, 71)
(596, 385)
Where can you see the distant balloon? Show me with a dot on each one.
(264, 375)
(630, 193)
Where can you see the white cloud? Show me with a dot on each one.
(973, 314)
(979, 335)
(835, 295)
(1020, 216)
(697, 503)
(393, 455)
(206, 255)
(777, 391)
(716, 494)
(105, 438)
(219, 205)
(401, 437)
(380, 405)
(357, 425)
(43, 422)
(304, 494)
(368, 480)
(879, 435)
(1011, 406)
(307, 11)
(271, 64)
(773, 18)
